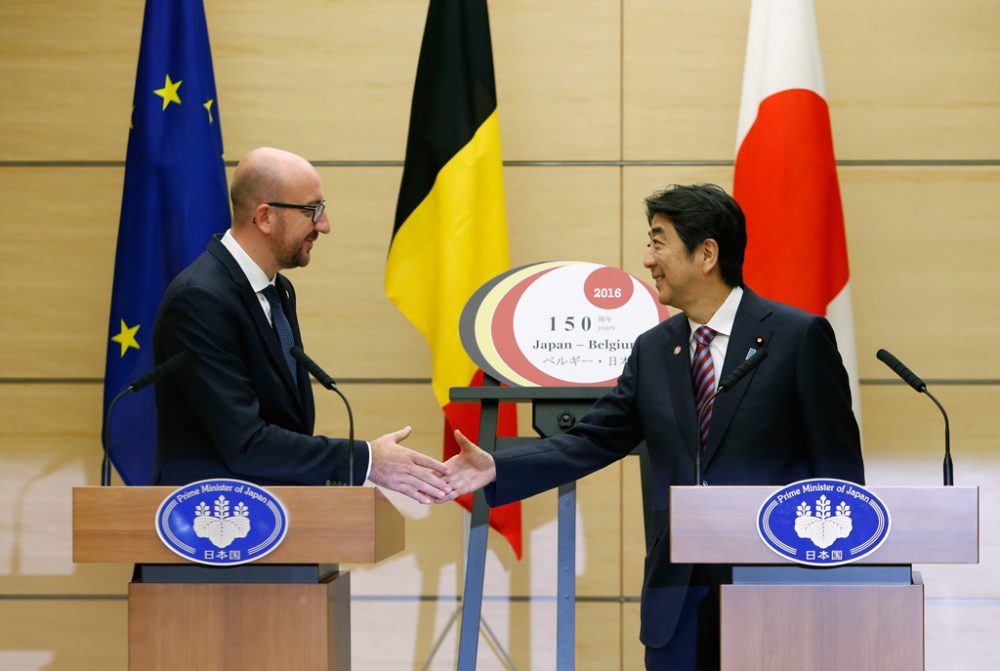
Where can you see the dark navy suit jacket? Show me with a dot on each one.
(789, 419)
(234, 410)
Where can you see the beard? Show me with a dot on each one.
(291, 253)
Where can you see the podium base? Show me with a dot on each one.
(822, 627)
(239, 626)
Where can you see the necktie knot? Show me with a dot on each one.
(271, 294)
(704, 335)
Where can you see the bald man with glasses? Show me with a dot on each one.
(243, 407)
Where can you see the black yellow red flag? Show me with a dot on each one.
(450, 233)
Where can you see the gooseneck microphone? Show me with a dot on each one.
(329, 383)
(921, 387)
(141, 382)
(727, 383)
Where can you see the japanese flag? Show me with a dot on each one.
(786, 175)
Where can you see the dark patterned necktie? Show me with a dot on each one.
(703, 371)
(282, 327)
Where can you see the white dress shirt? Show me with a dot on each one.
(722, 323)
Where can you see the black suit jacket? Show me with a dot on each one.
(789, 419)
(234, 410)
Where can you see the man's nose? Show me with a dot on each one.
(323, 225)
(647, 258)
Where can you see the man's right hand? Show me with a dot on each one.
(407, 471)
(471, 469)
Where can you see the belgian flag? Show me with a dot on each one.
(450, 233)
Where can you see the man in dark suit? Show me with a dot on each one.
(789, 419)
(243, 406)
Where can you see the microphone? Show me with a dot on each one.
(329, 383)
(921, 387)
(141, 382)
(727, 383)
(902, 371)
(164, 369)
(740, 372)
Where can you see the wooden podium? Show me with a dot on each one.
(285, 611)
(779, 616)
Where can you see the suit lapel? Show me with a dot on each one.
(304, 390)
(747, 328)
(252, 305)
(679, 381)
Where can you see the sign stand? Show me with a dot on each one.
(554, 410)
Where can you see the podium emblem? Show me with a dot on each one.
(221, 522)
(823, 522)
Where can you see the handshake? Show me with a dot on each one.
(425, 479)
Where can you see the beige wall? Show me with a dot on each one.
(601, 101)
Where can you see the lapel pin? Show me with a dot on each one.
(760, 340)
(677, 350)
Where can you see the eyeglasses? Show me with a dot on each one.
(317, 209)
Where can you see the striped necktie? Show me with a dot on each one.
(282, 327)
(703, 372)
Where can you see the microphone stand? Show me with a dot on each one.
(727, 383)
(141, 382)
(350, 435)
(949, 474)
(106, 438)
(921, 388)
(324, 379)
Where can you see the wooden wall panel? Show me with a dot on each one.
(296, 75)
(49, 443)
(320, 62)
(676, 103)
(633, 653)
(56, 267)
(64, 635)
(901, 84)
(922, 244)
(558, 70)
(527, 631)
(912, 82)
(69, 69)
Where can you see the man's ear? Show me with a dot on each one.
(262, 218)
(710, 258)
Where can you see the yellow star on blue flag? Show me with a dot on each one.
(126, 337)
(169, 92)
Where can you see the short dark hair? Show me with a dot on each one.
(702, 211)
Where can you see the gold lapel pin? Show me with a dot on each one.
(760, 340)
(677, 350)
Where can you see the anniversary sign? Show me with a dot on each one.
(558, 323)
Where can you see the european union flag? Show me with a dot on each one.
(175, 199)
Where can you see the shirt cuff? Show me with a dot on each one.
(369, 472)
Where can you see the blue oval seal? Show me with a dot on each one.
(221, 522)
(823, 522)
